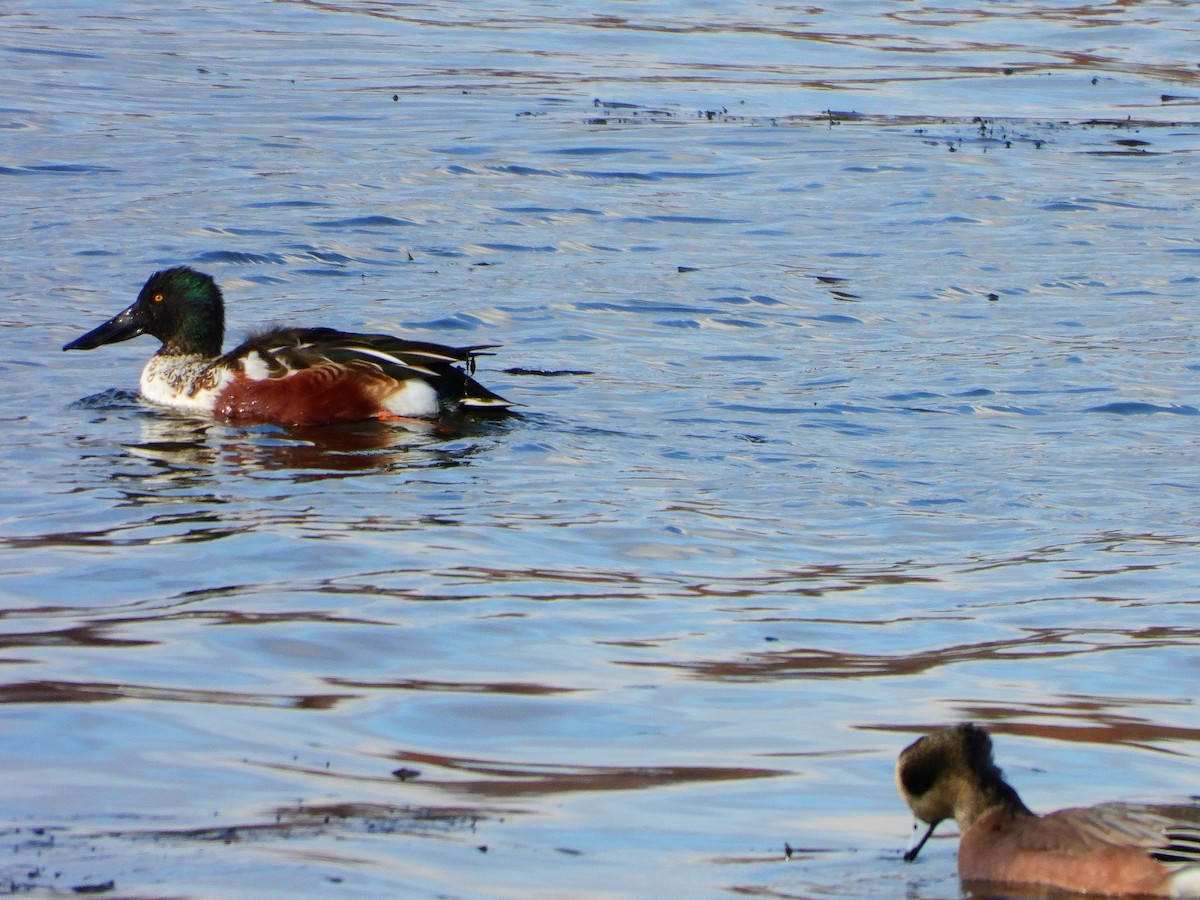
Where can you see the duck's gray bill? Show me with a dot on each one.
(915, 845)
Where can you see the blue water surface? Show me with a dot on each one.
(856, 354)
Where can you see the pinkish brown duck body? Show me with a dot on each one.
(1113, 849)
(286, 376)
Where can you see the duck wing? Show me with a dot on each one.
(280, 352)
(1169, 833)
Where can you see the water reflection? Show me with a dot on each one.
(808, 581)
(822, 49)
(495, 778)
(820, 663)
(310, 454)
(183, 444)
(513, 688)
(82, 861)
(176, 479)
(92, 635)
(1073, 719)
(100, 692)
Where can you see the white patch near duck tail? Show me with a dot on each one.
(1186, 882)
(183, 382)
(486, 402)
(413, 398)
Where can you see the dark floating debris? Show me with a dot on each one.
(102, 887)
(625, 113)
(546, 373)
(950, 134)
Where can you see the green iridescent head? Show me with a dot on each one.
(181, 307)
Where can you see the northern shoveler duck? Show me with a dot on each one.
(287, 376)
(1114, 849)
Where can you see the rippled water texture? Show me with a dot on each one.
(857, 358)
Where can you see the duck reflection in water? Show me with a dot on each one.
(187, 444)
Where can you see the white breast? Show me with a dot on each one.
(184, 382)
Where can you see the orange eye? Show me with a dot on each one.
(158, 298)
